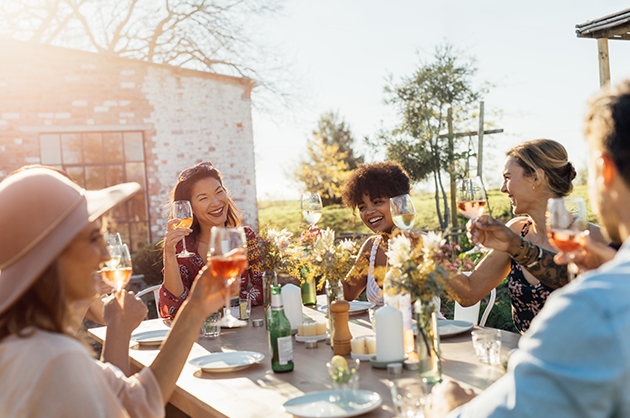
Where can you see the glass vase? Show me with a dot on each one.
(269, 279)
(308, 286)
(334, 291)
(428, 340)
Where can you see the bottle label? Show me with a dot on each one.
(285, 350)
(276, 302)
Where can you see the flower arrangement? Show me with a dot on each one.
(328, 259)
(422, 268)
(277, 251)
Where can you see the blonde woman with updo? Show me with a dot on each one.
(533, 172)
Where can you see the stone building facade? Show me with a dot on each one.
(106, 119)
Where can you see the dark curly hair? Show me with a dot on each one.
(386, 179)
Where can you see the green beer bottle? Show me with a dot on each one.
(280, 342)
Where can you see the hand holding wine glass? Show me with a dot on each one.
(566, 225)
(311, 207)
(471, 202)
(117, 270)
(228, 256)
(403, 212)
(182, 210)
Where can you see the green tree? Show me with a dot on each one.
(330, 159)
(422, 101)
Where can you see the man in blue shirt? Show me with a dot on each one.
(574, 361)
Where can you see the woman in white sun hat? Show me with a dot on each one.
(50, 247)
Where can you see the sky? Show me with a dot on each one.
(342, 52)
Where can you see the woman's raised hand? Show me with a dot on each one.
(491, 233)
(173, 236)
(124, 311)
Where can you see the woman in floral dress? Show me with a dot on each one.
(202, 185)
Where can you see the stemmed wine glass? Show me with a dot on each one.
(182, 210)
(117, 270)
(228, 255)
(311, 207)
(403, 211)
(471, 202)
(566, 224)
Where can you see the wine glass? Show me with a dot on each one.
(182, 210)
(114, 244)
(403, 211)
(228, 255)
(311, 207)
(117, 270)
(471, 202)
(566, 224)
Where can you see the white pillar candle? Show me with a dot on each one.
(357, 345)
(301, 330)
(310, 329)
(292, 301)
(321, 328)
(389, 334)
(370, 345)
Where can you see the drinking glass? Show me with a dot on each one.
(182, 210)
(471, 202)
(344, 378)
(487, 344)
(403, 211)
(566, 224)
(410, 396)
(117, 270)
(228, 255)
(311, 207)
(114, 244)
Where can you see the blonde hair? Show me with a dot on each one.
(551, 157)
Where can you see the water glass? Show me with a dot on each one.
(345, 380)
(211, 327)
(410, 396)
(487, 343)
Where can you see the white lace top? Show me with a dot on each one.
(372, 290)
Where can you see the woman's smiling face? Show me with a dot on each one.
(209, 202)
(375, 214)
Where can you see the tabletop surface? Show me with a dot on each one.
(258, 392)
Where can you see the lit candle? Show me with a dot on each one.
(389, 334)
(309, 329)
(370, 345)
(358, 345)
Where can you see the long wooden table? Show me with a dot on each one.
(258, 392)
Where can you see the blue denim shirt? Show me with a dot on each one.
(574, 361)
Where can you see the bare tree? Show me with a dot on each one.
(207, 35)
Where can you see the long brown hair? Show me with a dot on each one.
(42, 306)
(183, 191)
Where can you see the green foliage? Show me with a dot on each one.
(148, 262)
(423, 101)
(330, 159)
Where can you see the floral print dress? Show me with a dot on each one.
(527, 299)
(189, 268)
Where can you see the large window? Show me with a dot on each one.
(96, 160)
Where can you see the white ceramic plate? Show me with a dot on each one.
(448, 327)
(304, 338)
(333, 404)
(227, 362)
(149, 338)
(356, 307)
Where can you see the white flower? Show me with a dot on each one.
(432, 242)
(347, 245)
(399, 250)
(281, 239)
(325, 242)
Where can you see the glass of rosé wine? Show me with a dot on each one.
(182, 210)
(116, 272)
(228, 255)
(566, 224)
(471, 202)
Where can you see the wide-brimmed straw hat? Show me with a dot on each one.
(41, 211)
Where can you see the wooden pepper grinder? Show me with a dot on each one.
(341, 335)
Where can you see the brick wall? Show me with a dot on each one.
(185, 116)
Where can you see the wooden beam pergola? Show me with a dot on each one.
(613, 26)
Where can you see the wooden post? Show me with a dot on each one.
(451, 168)
(604, 63)
(480, 144)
